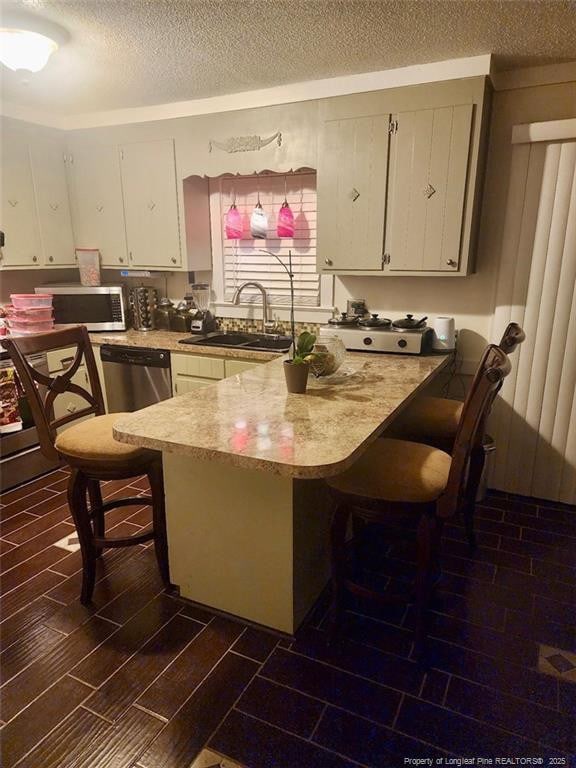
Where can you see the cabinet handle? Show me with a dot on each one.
(54, 206)
(71, 408)
(99, 208)
(34, 259)
(354, 194)
(151, 205)
(428, 191)
(328, 261)
(130, 255)
(50, 258)
(452, 263)
(13, 203)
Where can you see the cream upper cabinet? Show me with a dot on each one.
(19, 219)
(151, 204)
(352, 175)
(429, 154)
(49, 172)
(97, 203)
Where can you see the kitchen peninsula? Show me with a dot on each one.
(244, 462)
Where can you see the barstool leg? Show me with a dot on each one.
(96, 512)
(156, 478)
(77, 488)
(429, 532)
(477, 459)
(338, 556)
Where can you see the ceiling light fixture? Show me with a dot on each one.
(21, 49)
(27, 41)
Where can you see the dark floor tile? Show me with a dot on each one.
(35, 612)
(332, 685)
(99, 665)
(84, 740)
(542, 630)
(499, 674)
(125, 686)
(35, 565)
(188, 731)
(280, 706)
(71, 564)
(488, 555)
(204, 616)
(547, 552)
(32, 645)
(28, 591)
(470, 609)
(22, 733)
(452, 530)
(362, 629)
(41, 524)
(368, 743)
(547, 609)
(434, 688)
(12, 524)
(142, 517)
(554, 572)
(256, 644)
(525, 505)
(522, 582)
(25, 503)
(557, 514)
(258, 745)
(33, 680)
(567, 697)
(462, 735)
(34, 546)
(5, 546)
(171, 689)
(358, 659)
(542, 524)
(27, 489)
(134, 597)
(480, 593)
(502, 529)
(546, 537)
(489, 512)
(532, 721)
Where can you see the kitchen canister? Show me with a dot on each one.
(259, 222)
(285, 225)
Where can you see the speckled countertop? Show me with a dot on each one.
(250, 421)
(170, 340)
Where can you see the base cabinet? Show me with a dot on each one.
(192, 371)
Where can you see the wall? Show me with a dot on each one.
(470, 299)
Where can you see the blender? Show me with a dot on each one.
(203, 321)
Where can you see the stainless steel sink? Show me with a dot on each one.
(259, 341)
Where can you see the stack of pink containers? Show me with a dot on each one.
(30, 313)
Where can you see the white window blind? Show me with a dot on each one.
(242, 258)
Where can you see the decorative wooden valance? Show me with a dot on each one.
(245, 143)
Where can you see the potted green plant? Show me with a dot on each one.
(296, 369)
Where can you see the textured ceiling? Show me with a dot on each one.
(125, 53)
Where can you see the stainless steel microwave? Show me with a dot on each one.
(101, 308)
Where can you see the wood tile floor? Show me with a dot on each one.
(142, 679)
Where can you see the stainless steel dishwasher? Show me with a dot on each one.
(134, 377)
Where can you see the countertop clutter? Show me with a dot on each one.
(250, 421)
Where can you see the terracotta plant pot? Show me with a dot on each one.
(296, 376)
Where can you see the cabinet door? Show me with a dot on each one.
(49, 171)
(428, 171)
(97, 203)
(352, 176)
(19, 217)
(183, 384)
(151, 204)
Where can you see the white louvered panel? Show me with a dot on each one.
(243, 259)
(534, 421)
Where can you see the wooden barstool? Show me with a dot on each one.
(398, 477)
(435, 420)
(89, 449)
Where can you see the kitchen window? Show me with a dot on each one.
(237, 261)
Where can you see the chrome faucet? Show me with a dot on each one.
(267, 325)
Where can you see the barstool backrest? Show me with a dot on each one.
(513, 336)
(493, 369)
(36, 383)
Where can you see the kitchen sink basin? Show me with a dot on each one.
(260, 341)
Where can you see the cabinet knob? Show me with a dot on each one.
(50, 258)
(173, 259)
(99, 208)
(452, 263)
(151, 205)
(13, 203)
(121, 259)
(328, 262)
(54, 206)
(34, 259)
